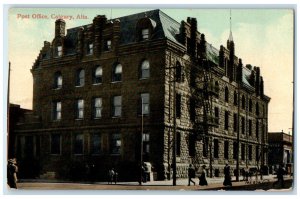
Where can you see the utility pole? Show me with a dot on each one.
(174, 129)
(142, 129)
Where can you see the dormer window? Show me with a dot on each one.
(90, 49)
(145, 34)
(58, 51)
(108, 46)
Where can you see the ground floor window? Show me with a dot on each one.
(78, 144)
(55, 144)
(115, 143)
(96, 143)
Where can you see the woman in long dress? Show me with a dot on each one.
(202, 178)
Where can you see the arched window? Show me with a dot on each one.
(217, 88)
(226, 94)
(117, 73)
(97, 75)
(80, 77)
(145, 70)
(243, 102)
(57, 80)
(257, 108)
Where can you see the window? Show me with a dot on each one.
(107, 45)
(235, 122)
(80, 109)
(205, 147)
(178, 143)
(55, 144)
(80, 77)
(97, 75)
(192, 109)
(117, 73)
(216, 119)
(178, 105)
(226, 94)
(97, 107)
(117, 106)
(235, 150)
(226, 149)
(257, 156)
(145, 34)
(216, 88)
(57, 110)
(90, 49)
(250, 127)
(243, 125)
(58, 80)
(145, 70)
(235, 98)
(226, 120)
(179, 73)
(243, 102)
(250, 152)
(243, 152)
(145, 101)
(216, 148)
(257, 128)
(250, 105)
(146, 143)
(96, 144)
(58, 51)
(116, 143)
(192, 145)
(78, 144)
(257, 109)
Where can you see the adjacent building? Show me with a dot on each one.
(280, 151)
(117, 92)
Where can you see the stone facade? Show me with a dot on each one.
(132, 40)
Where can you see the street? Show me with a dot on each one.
(213, 184)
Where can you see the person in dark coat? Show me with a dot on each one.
(202, 178)
(191, 174)
(12, 170)
(227, 179)
(280, 173)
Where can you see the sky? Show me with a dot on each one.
(263, 37)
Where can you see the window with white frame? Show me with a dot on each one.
(117, 106)
(145, 34)
(115, 147)
(146, 143)
(58, 80)
(78, 144)
(57, 110)
(80, 109)
(97, 107)
(145, 70)
(97, 75)
(80, 77)
(117, 73)
(145, 102)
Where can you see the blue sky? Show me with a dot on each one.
(263, 37)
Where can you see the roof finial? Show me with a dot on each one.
(230, 34)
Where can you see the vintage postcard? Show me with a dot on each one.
(150, 99)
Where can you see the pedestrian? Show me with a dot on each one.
(111, 174)
(227, 176)
(191, 174)
(202, 178)
(115, 177)
(12, 170)
(280, 173)
(246, 174)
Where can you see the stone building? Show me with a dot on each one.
(280, 151)
(98, 87)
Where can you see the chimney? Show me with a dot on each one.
(193, 36)
(60, 28)
(182, 34)
(239, 77)
(99, 23)
(257, 81)
(221, 57)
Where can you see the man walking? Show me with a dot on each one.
(191, 174)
